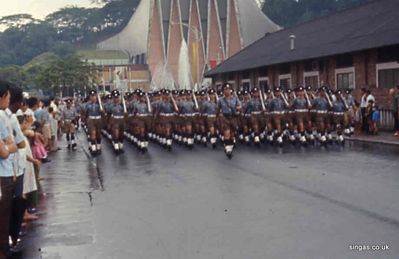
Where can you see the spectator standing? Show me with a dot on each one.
(8, 149)
(19, 165)
(363, 109)
(45, 126)
(394, 96)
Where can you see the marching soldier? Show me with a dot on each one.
(142, 112)
(117, 111)
(210, 109)
(228, 108)
(244, 118)
(256, 108)
(188, 111)
(321, 105)
(277, 108)
(93, 112)
(339, 119)
(300, 106)
(69, 118)
(350, 113)
(167, 110)
(201, 118)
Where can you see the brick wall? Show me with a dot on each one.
(365, 75)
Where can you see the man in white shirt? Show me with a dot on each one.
(7, 150)
(370, 97)
(19, 161)
(363, 109)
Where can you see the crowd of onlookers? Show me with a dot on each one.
(368, 115)
(28, 133)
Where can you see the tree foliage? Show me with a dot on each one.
(291, 12)
(61, 32)
(69, 72)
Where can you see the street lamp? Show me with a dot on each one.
(198, 39)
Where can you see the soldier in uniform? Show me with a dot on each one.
(201, 118)
(228, 108)
(117, 114)
(339, 119)
(256, 109)
(93, 114)
(350, 113)
(244, 118)
(167, 111)
(277, 109)
(156, 124)
(321, 106)
(69, 118)
(178, 127)
(188, 113)
(290, 115)
(107, 117)
(142, 112)
(209, 110)
(300, 106)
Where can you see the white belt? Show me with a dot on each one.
(67, 120)
(301, 110)
(167, 114)
(247, 115)
(94, 117)
(321, 112)
(276, 112)
(256, 113)
(143, 115)
(211, 115)
(338, 113)
(189, 115)
(118, 117)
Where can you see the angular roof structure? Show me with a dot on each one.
(372, 25)
(158, 27)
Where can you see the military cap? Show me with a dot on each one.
(175, 92)
(92, 92)
(299, 89)
(211, 91)
(189, 92)
(227, 86)
(277, 89)
(115, 93)
(255, 89)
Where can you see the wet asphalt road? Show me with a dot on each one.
(267, 203)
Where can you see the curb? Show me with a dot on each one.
(376, 141)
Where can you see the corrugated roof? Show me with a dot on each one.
(372, 25)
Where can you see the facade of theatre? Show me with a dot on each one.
(212, 29)
(352, 49)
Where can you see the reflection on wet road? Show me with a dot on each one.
(265, 203)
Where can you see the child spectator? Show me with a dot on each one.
(375, 119)
(37, 144)
(30, 181)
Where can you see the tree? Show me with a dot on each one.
(70, 73)
(17, 20)
(291, 12)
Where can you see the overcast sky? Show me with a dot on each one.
(38, 8)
